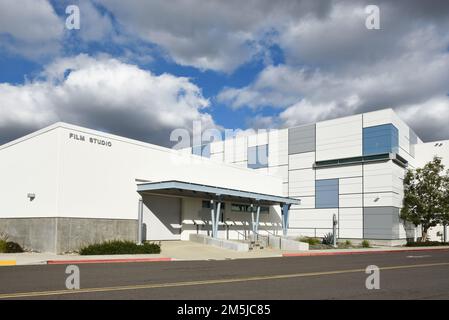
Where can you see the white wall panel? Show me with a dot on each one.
(378, 177)
(301, 160)
(377, 118)
(229, 146)
(350, 185)
(240, 149)
(351, 223)
(281, 171)
(302, 182)
(306, 203)
(339, 172)
(350, 200)
(339, 138)
(278, 147)
(379, 199)
(315, 218)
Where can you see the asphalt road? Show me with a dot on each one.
(406, 275)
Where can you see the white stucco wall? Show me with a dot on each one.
(74, 178)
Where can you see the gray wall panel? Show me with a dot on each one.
(381, 223)
(58, 235)
(74, 233)
(31, 233)
(301, 139)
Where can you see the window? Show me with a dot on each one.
(247, 208)
(326, 193)
(203, 150)
(206, 204)
(258, 157)
(380, 139)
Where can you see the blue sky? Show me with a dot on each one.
(144, 68)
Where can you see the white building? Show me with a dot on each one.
(66, 186)
(352, 167)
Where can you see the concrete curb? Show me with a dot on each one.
(85, 261)
(338, 253)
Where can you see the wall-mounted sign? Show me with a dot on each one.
(82, 138)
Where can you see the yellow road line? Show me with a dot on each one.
(7, 262)
(206, 282)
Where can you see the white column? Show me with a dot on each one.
(257, 219)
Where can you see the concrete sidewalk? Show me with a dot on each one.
(186, 250)
(171, 250)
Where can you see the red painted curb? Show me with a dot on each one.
(311, 254)
(108, 261)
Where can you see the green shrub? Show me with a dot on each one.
(119, 247)
(348, 243)
(328, 239)
(426, 244)
(366, 244)
(13, 247)
(310, 241)
(2, 246)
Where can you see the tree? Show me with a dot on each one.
(444, 214)
(424, 196)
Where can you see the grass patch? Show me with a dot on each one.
(310, 241)
(120, 247)
(426, 244)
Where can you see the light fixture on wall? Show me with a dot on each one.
(376, 199)
(31, 196)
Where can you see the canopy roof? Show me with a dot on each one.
(193, 190)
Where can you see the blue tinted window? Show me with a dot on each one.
(203, 150)
(380, 139)
(326, 193)
(258, 157)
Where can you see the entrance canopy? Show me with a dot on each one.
(187, 189)
(218, 194)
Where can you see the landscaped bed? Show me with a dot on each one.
(120, 247)
(326, 243)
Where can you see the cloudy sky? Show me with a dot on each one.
(142, 68)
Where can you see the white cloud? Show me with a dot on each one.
(430, 116)
(95, 26)
(29, 27)
(335, 67)
(103, 93)
(217, 35)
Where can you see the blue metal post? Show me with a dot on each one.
(285, 211)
